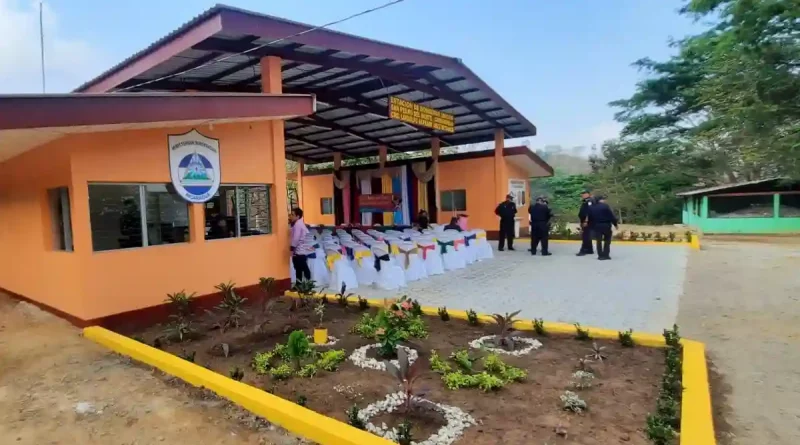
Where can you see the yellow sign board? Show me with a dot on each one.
(416, 114)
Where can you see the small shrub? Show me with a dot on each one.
(582, 379)
(581, 334)
(298, 347)
(513, 374)
(597, 353)
(463, 360)
(306, 289)
(261, 362)
(573, 402)
(672, 337)
(267, 286)
(236, 373)
(388, 339)
(416, 308)
(330, 360)
(366, 326)
(506, 336)
(488, 382)
(626, 338)
(308, 371)
(342, 296)
(538, 327)
(181, 303)
(231, 305)
(353, 419)
(472, 318)
(583, 365)
(658, 431)
(443, 314)
(672, 237)
(437, 364)
(281, 351)
(281, 372)
(416, 328)
(302, 400)
(668, 409)
(456, 380)
(404, 436)
(188, 356)
(688, 236)
(179, 329)
(363, 304)
(319, 312)
(633, 236)
(493, 364)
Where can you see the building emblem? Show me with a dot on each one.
(194, 165)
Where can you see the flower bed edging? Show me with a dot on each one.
(360, 359)
(295, 418)
(697, 424)
(532, 344)
(457, 420)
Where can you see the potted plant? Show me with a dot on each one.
(320, 333)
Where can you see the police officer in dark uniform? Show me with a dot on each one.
(601, 218)
(586, 228)
(540, 215)
(506, 210)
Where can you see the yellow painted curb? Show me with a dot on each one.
(301, 421)
(695, 241)
(626, 242)
(697, 424)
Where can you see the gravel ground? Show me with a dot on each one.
(638, 289)
(743, 300)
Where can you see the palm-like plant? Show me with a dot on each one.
(505, 337)
(267, 285)
(597, 352)
(406, 374)
(342, 296)
(231, 305)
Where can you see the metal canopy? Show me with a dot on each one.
(352, 78)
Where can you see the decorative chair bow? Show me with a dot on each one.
(425, 250)
(379, 258)
(443, 246)
(408, 253)
(469, 238)
(457, 243)
(360, 255)
(332, 258)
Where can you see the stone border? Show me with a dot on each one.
(360, 359)
(697, 423)
(532, 345)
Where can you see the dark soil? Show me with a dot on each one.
(625, 387)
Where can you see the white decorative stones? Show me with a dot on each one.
(483, 343)
(360, 359)
(456, 420)
(331, 341)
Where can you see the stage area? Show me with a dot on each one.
(638, 289)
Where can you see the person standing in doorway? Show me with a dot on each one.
(540, 215)
(586, 228)
(299, 253)
(506, 210)
(601, 218)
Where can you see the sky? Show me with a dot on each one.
(558, 62)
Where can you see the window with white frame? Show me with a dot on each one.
(326, 206)
(60, 221)
(124, 216)
(237, 211)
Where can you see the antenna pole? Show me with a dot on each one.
(41, 46)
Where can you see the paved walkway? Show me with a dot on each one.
(638, 289)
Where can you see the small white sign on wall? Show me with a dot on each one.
(516, 188)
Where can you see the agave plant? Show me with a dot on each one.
(406, 374)
(505, 337)
(597, 353)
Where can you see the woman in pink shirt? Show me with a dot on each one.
(298, 232)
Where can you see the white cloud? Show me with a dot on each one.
(68, 61)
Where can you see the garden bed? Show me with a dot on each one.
(624, 389)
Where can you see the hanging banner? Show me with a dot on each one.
(194, 165)
(414, 113)
(379, 203)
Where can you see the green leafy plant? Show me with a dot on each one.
(582, 379)
(688, 236)
(488, 382)
(342, 296)
(231, 305)
(596, 353)
(580, 333)
(179, 329)
(538, 327)
(236, 373)
(416, 308)
(496, 366)
(363, 304)
(188, 356)
(657, 236)
(388, 339)
(404, 436)
(281, 372)
(438, 365)
(658, 431)
(462, 358)
(366, 326)
(634, 236)
(672, 336)
(302, 400)
(672, 236)
(416, 328)
(353, 418)
(513, 374)
(472, 318)
(406, 374)
(457, 379)
(626, 338)
(181, 303)
(505, 336)
(298, 347)
(261, 362)
(308, 371)
(330, 360)
(306, 289)
(443, 314)
(282, 351)
(573, 402)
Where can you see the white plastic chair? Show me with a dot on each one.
(390, 275)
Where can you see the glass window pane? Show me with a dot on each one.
(790, 206)
(220, 214)
(254, 212)
(327, 206)
(167, 215)
(460, 200)
(758, 206)
(115, 216)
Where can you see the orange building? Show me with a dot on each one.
(167, 172)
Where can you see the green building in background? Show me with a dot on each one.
(756, 207)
